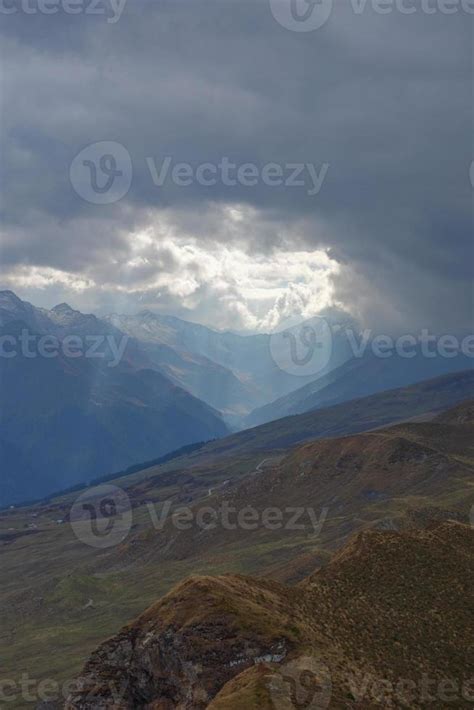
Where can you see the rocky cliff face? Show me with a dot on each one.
(390, 614)
(185, 648)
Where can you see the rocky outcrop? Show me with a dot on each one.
(186, 647)
(391, 610)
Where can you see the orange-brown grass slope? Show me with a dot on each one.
(390, 607)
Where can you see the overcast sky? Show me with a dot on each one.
(378, 105)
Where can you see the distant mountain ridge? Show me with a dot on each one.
(359, 377)
(378, 475)
(234, 374)
(253, 376)
(65, 420)
(404, 491)
(422, 401)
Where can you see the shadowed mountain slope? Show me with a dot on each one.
(234, 455)
(70, 596)
(338, 485)
(389, 607)
(425, 398)
(247, 357)
(66, 419)
(359, 377)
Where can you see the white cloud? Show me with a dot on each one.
(222, 284)
(40, 278)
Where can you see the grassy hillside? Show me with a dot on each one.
(364, 620)
(60, 597)
(359, 377)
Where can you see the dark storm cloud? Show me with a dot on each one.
(385, 100)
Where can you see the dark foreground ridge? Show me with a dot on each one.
(391, 613)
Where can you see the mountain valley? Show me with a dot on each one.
(396, 481)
